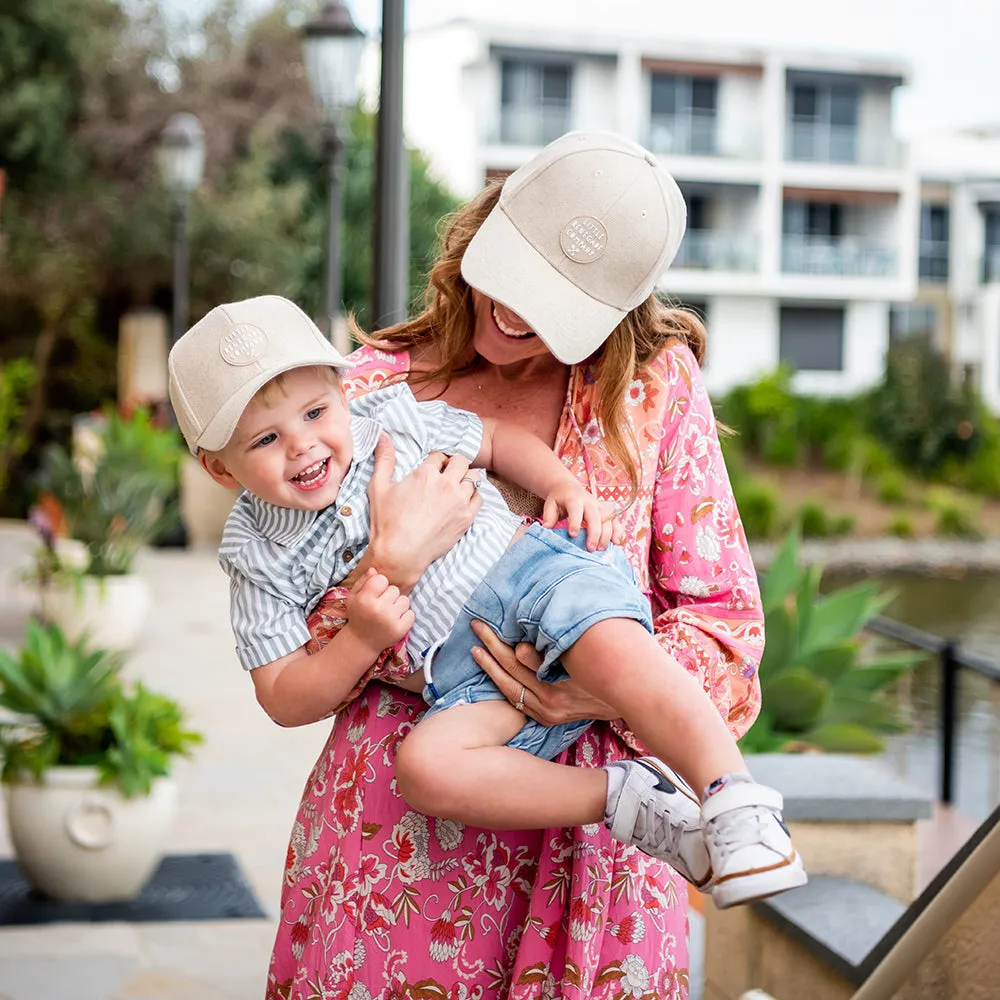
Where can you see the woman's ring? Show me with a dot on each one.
(475, 480)
(520, 700)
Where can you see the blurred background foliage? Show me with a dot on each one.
(86, 228)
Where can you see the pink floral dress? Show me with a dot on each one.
(382, 902)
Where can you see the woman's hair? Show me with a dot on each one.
(448, 320)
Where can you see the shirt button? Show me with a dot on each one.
(348, 555)
(346, 511)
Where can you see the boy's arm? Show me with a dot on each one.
(523, 458)
(299, 688)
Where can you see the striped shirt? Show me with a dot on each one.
(281, 560)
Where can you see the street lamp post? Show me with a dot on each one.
(181, 157)
(332, 46)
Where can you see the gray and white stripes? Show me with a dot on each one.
(281, 561)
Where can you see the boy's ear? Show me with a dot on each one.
(213, 464)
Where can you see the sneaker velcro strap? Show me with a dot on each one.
(738, 795)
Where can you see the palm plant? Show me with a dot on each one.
(68, 706)
(818, 690)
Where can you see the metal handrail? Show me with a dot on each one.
(953, 659)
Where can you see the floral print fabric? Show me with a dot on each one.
(383, 903)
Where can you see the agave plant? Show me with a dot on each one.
(68, 706)
(818, 689)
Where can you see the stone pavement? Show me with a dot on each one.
(238, 794)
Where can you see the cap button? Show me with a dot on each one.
(650, 159)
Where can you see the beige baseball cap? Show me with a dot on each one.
(218, 365)
(580, 236)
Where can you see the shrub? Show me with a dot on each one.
(892, 486)
(759, 506)
(765, 414)
(816, 522)
(901, 526)
(954, 516)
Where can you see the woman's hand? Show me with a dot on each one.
(515, 670)
(421, 517)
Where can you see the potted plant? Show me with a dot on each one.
(86, 764)
(115, 494)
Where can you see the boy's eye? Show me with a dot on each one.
(266, 440)
(314, 413)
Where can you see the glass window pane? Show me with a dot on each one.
(805, 100)
(843, 105)
(704, 91)
(555, 83)
(812, 339)
(663, 94)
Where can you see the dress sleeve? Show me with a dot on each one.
(706, 600)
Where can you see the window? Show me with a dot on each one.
(534, 101)
(823, 122)
(697, 217)
(683, 113)
(933, 242)
(991, 248)
(819, 220)
(812, 339)
(911, 321)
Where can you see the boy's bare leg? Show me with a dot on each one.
(618, 661)
(455, 765)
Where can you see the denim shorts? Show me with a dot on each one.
(546, 589)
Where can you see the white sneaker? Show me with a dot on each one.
(750, 848)
(651, 807)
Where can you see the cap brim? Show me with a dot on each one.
(219, 429)
(503, 265)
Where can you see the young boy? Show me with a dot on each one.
(257, 395)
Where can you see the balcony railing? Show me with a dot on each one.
(846, 256)
(686, 135)
(534, 126)
(714, 251)
(934, 260)
(819, 142)
(991, 265)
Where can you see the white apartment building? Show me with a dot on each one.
(958, 298)
(803, 208)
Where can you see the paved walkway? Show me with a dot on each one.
(239, 795)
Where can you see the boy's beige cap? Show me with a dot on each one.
(580, 236)
(218, 365)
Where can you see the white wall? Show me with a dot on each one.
(740, 121)
(988, 321)
(742, 341)
(594, 94)
(875, 126)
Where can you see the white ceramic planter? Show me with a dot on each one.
(112, 610)
(78, 841)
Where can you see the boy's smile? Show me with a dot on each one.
(292, 446)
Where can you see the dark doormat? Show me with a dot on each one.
(184, 887)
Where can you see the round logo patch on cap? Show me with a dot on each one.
(584, 239)
(243, 345)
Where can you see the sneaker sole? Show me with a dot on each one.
(737, 890)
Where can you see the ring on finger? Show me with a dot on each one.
(475, 480)
(520, 700)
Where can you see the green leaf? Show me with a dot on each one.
(870, 677)
(797, 700)
(780, 640)
(841, 615)
(830, 663)
(783, 575)
(806, 598)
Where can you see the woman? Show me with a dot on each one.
(380, 901)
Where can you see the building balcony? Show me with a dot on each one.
(530, 126)
(991, 265)
(813, 142)
(697, 134)
(845, 256)
(705, 250)
(934, 260)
